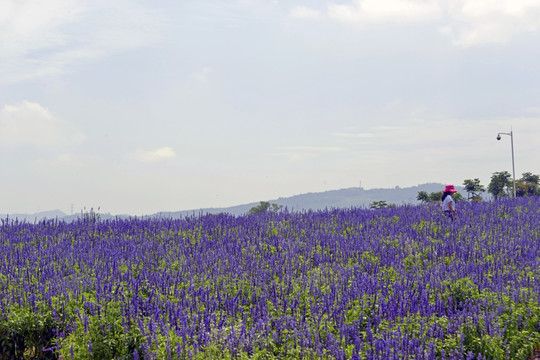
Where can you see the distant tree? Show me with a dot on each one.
(500, 184)
(378, 204)
(529, 177)
(264, 206)
(435, 196)
(528, 185)
(423, 196)
(473, 189)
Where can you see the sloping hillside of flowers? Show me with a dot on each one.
(395, 283)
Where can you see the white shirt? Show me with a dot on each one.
(448, 200)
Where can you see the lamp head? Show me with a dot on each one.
(499, 137)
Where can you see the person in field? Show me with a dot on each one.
(448, 204)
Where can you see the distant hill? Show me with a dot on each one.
(356, 197)
(343, 198)
(52, 214)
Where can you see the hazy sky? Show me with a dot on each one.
(160, 105)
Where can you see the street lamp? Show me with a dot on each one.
(512, 144)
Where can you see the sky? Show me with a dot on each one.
(140, 106)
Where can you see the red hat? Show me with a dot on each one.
(450, 188)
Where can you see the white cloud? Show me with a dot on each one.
(45, 38)
(475, 22)
(155, 155)
(302, 12)
(466, 22)
(376, 11)
(202, 75)
(30, 123)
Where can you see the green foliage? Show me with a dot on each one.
(500, 184)
(105, 332)
(263, 207)
(528, 185)
(529, 177)
(435, 196)
(518, 341)
(460, 291)
(24, 333)
(473, 189)
(422, 196)
(381, 204)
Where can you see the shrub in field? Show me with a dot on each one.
(391, 283)
(24, 333)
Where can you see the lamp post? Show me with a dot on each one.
(512, 144)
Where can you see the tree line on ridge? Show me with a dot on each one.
(500, 186)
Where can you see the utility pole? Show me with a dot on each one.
(511, 134)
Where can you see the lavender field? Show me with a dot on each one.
(394, 283)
